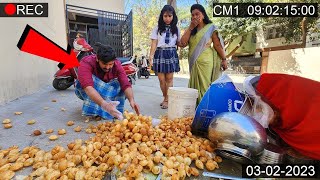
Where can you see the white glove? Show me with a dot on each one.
(111, 108)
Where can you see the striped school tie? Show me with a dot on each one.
(167, 40)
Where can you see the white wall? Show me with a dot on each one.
(105, 5)
(302, 62)
(22, 73)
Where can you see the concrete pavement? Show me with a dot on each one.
(147, 94)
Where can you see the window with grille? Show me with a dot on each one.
(273, 33)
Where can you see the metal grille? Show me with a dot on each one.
(111, 28)
(127, 38)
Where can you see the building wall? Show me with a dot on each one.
(282, 42)
(302, 62)
(105, 5)
(22, 73)
(263, 42)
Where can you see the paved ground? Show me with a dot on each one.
(147, 94)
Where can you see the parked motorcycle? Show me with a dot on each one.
(64, 78)
(144, 71)
(129, 67)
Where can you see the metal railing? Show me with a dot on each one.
(109, 28)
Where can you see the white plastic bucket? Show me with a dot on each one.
(182, 102)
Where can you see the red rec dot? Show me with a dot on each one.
(10, 9)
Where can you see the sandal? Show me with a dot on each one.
(163, 102)
(164, 105)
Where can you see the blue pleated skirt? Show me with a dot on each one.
(166, 60)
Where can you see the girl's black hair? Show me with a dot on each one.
(173, 24)
(206, 19)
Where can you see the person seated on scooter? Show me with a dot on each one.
(103, 85)
(135, 60)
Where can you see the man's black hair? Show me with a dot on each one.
(105, 53)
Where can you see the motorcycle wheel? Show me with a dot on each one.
(147, 75)
(61, 84)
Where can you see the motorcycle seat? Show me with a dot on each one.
(123, 59)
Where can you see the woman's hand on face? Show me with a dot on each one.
(194, 23)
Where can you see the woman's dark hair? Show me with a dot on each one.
(173, 24)
(206, 19)
(105, 53)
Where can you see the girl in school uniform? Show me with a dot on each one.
(163, 53)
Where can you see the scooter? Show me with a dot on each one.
(129, 67)
(144, 71)
(64, 78)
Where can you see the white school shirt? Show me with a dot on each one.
(162, 37)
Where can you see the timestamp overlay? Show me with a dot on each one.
(265, 9)
(280, 171)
